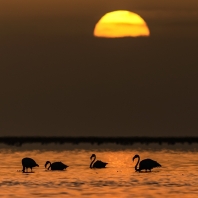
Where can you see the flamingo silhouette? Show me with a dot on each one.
(56, 165)
(146, 164)
(98, 163)
(28, 163)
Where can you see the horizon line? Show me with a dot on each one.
(122, 140)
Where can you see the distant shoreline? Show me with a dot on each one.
(19, 141)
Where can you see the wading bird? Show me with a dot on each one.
(146, 164)
(56, 165)
(98, 163)
(28, 163)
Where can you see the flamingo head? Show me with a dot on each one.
(136, 156)
(93, 155)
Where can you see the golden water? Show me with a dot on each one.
(178, 176)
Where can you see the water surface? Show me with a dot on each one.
(178, 176)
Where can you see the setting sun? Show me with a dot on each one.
(121, 23)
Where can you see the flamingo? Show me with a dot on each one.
(28, 163)
(146, 164)
(56, 165)
(98, 163)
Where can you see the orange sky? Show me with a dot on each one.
(57, 79)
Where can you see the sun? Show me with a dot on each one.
(121, 23)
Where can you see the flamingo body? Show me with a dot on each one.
(28, 163)
(99, 164)
(148, 164)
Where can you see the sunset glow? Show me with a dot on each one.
(121, 23)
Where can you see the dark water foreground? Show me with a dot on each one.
(18, 141)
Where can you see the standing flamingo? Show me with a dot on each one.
(98, 163)
(28, 163)
(146, 164)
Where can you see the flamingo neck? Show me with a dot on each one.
(137, 164)
(92, 162)
(49, 165)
